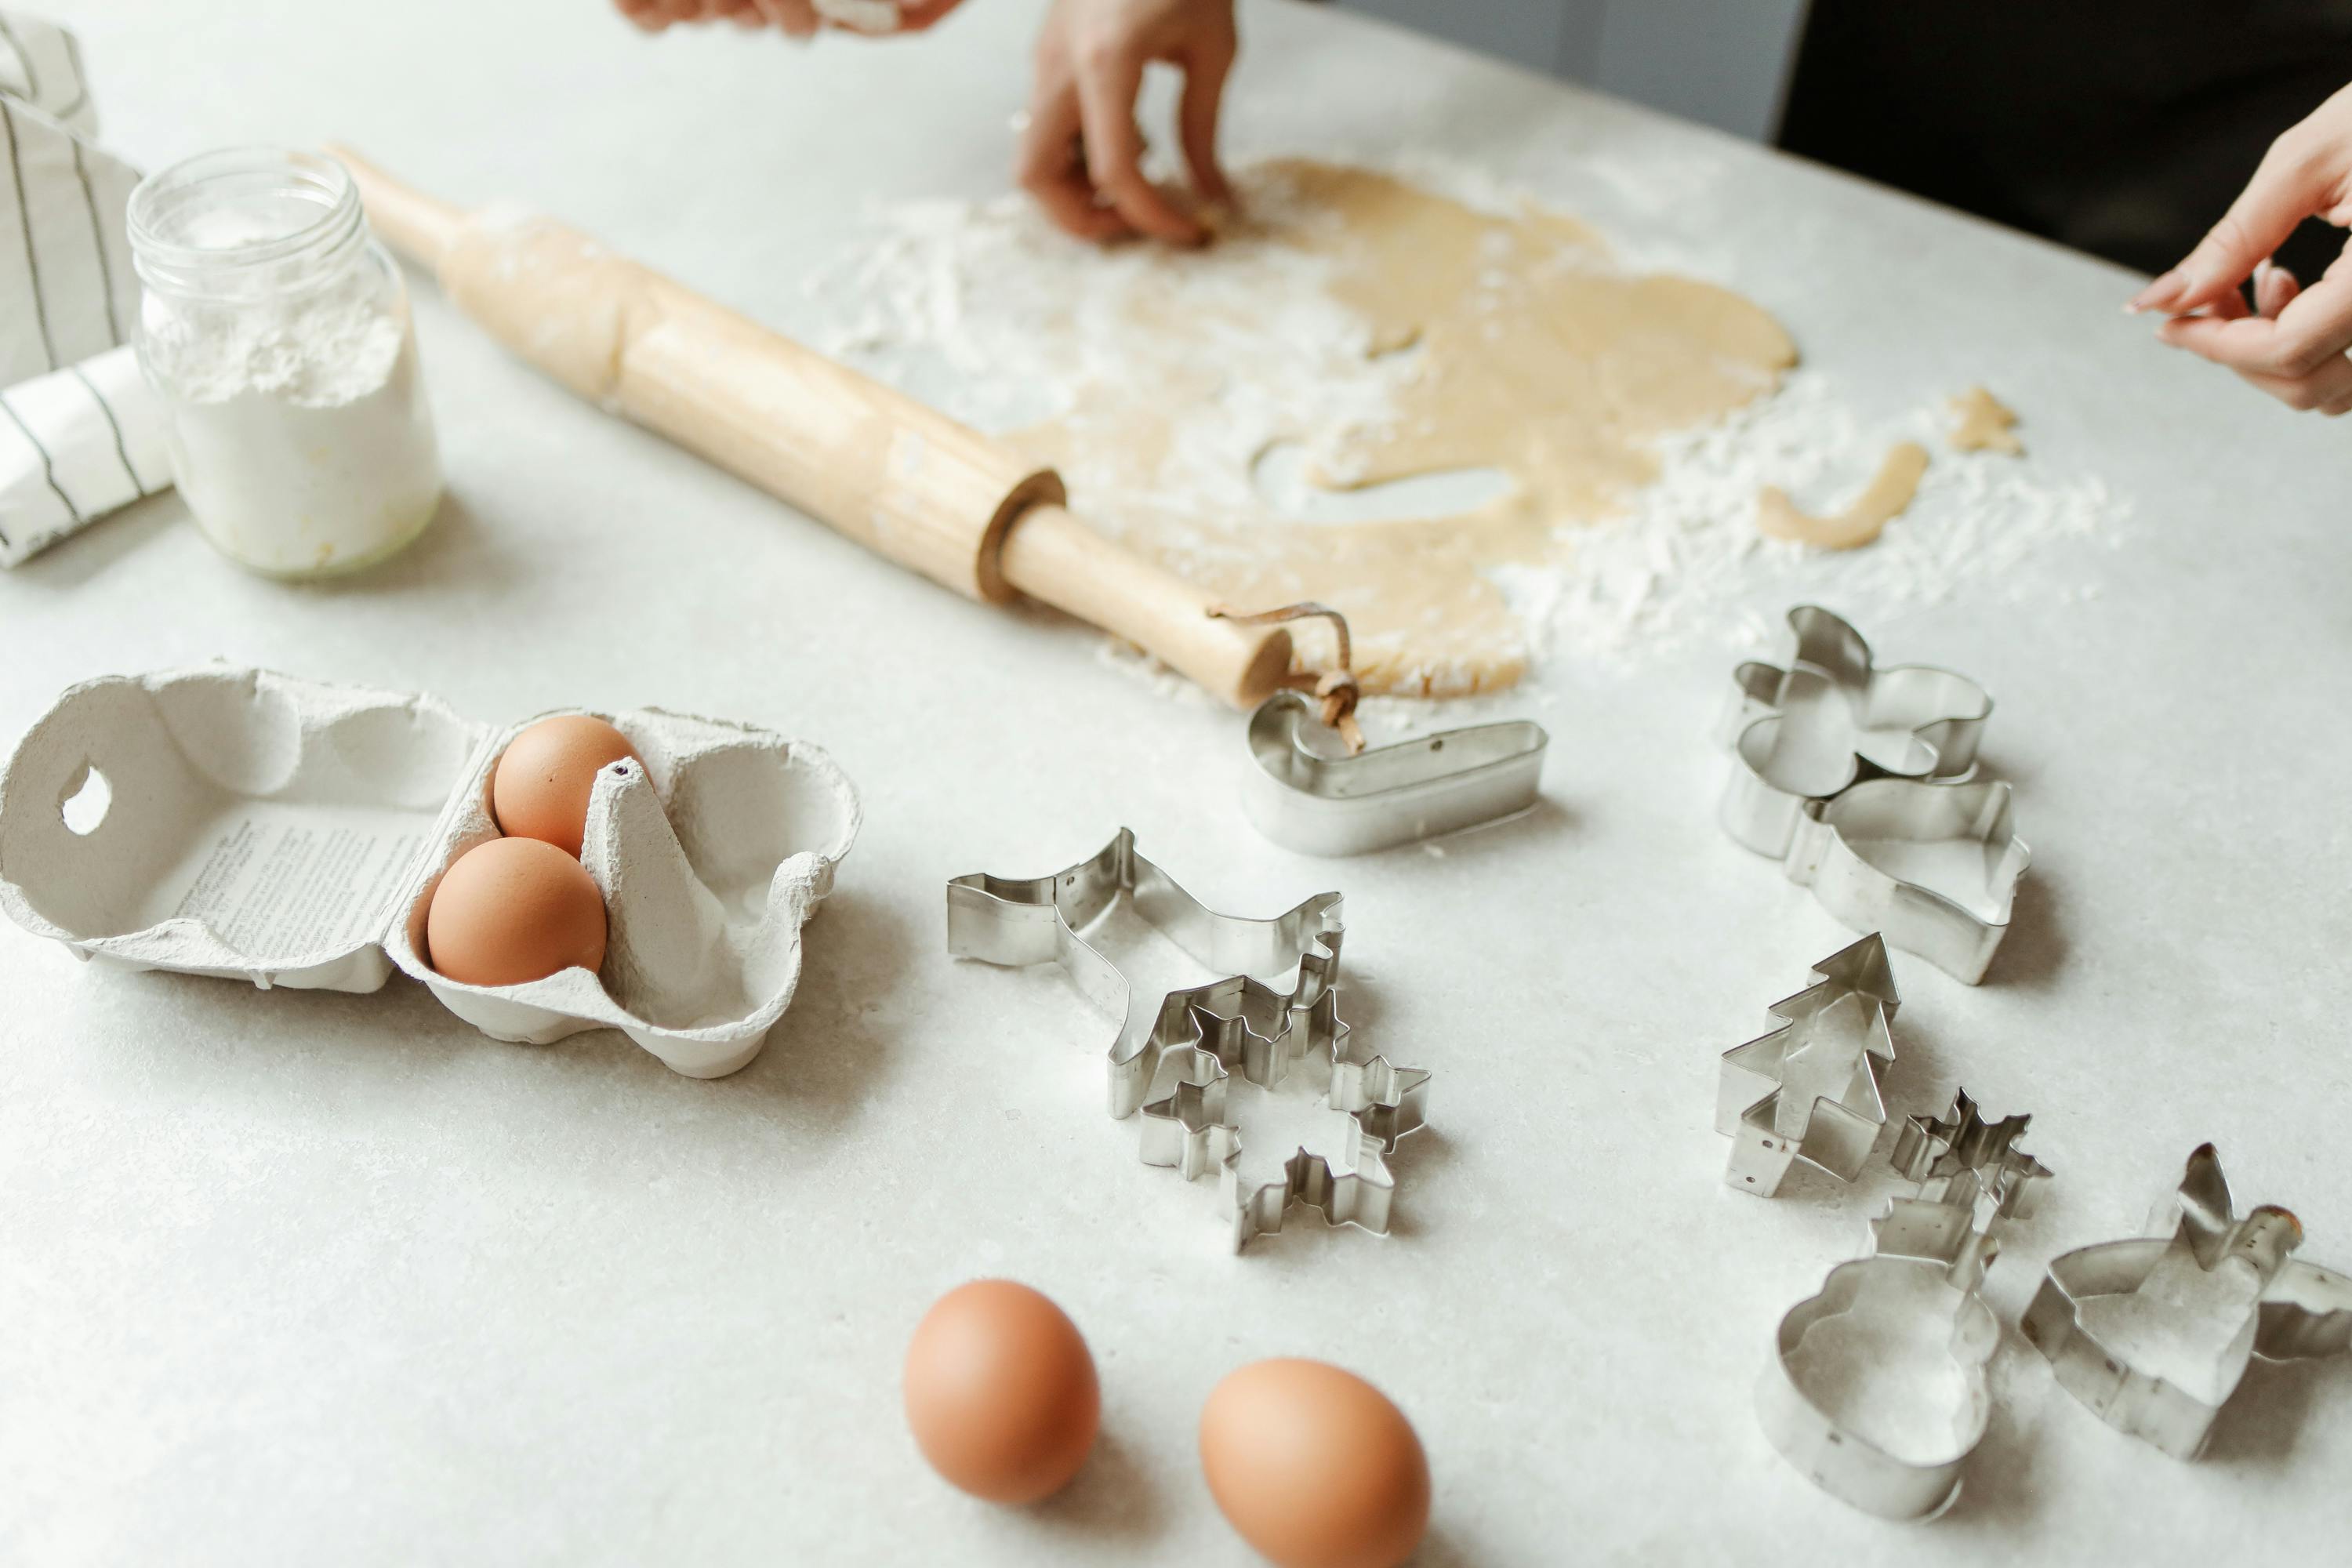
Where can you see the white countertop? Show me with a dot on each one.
(296, 1277)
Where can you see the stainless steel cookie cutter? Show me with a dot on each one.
(1836, 1397)
(1174, 1053)
(1932, 868)
(2189, 1307)
(1903, 720)
(1305, 790)
(1810, 1090)
(1860, 781)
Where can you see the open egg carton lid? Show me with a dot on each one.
(235, 822)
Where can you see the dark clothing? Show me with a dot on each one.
(2122, 130)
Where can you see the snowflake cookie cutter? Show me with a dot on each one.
(2229, 1290)
(1175, 1054)
(1886, 820)
(1811, 1089)
(1861, 1429)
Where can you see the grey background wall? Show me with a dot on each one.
(1722, 62)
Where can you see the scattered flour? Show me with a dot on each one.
(983, 310)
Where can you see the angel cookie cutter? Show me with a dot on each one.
(2154, 1333)
(1811, 1089)
(1175, 1053)
(1306, 791)
(1860, 781)
(1854, 1391)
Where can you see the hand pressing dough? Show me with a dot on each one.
(1985, 425)
(1880, 502)
(1479, 341)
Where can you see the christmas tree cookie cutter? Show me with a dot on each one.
(1860, 781)
(2154, 1333)
(1842, 1397)
(1811, 1089)
(1305, 790)
(1175, 1053)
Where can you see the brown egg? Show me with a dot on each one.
(544, 776)
(513, 910)
(1001, 1392)
(1314, 1467)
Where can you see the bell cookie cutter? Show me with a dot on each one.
(1860, 779)
(1305, 790)
(1811, 1089)
(1839, 1398)
(1174, 1054)
(2154, 1333)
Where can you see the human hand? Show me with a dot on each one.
(1082, 154)
(2292, 343)
(795, 18)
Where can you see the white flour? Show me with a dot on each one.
(982, 308)
(298, 431)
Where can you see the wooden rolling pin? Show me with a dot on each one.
(903, 480)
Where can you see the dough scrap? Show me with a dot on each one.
(1986, 424)
(1482, 342)
(1880, 502)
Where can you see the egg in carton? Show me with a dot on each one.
(239, 823)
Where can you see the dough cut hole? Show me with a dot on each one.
(1986, 424)
(1283, 481)
(1880, 502)
(87, 805)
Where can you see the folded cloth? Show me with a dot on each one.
(82, 434)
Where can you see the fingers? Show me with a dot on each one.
(2312, 328)
(914, 16)
(1205, 70)
(795, 18)
(648, 14)
(1050, 167)
(2327, 390)
(2274, 289)
(2293, 182)
(1109, 78)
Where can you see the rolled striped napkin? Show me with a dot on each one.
(80, 433)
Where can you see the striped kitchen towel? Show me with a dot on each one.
(80, 433)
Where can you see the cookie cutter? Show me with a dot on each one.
(1810, 1090)
(2229, 1277)
(1184, 1127)
(1174, 1054)
(1869, 854)
(1306, 791)
(1903, 720)
(1929, 1256)
(1886, 820)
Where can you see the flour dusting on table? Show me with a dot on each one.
(982, 309)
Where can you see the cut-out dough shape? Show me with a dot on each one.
(1393, 332)
(1880, 502)
(1986, 424)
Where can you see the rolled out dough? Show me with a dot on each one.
(1863, 517)
(1471, 342)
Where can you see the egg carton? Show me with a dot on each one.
(239, 823)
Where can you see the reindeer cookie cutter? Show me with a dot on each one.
(1175, 1054)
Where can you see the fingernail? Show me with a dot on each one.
(2163, 288)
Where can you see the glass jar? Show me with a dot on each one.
(277, 332)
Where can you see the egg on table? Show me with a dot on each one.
(1001, 1392)
(1315, 1467)
(545, 775)
(511, 910)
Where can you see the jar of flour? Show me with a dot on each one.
(276, 332)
